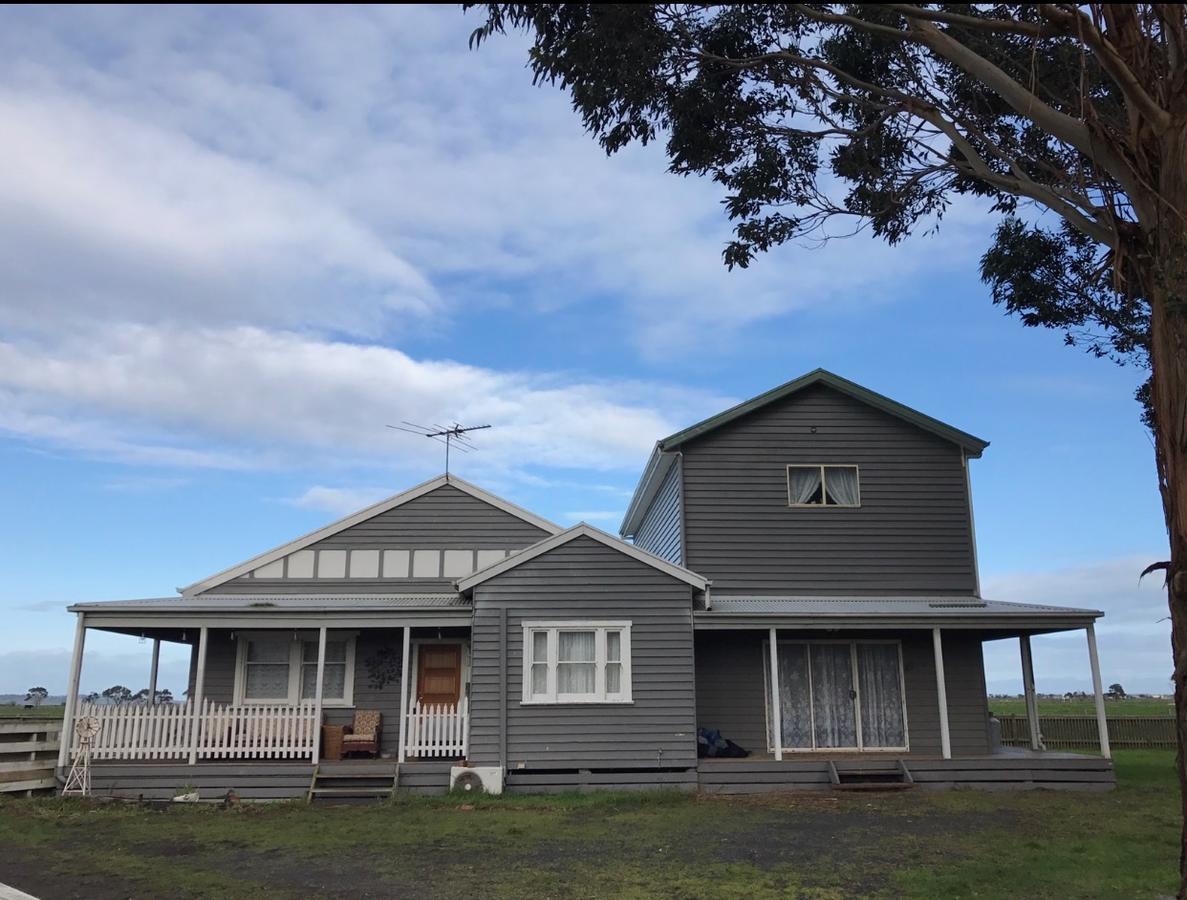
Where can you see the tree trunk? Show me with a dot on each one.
(1165, 283)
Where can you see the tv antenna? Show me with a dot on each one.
(451, 436)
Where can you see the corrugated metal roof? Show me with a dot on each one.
(286, 601)
(882, 606)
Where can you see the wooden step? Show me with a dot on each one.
(352, 792)
(892, 775)
(387, 777)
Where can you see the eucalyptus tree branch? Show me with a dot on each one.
(1021, 186)
(1076, 22)
(999, 26)
(819, 15)
(1060, 125)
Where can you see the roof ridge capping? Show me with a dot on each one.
(375, 509)
(660, 460)
(582, 529)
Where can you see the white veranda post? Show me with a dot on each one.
(321, 676)
(404, 692)
(776, 708)
(199, 692)
(942, 692)
(1102, 723)
(80, 633)
(152, 671)
(1028, 691)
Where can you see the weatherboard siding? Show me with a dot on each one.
(660, 529)
(731, 692)
(585, 580)
(443, 519)
(911, 534)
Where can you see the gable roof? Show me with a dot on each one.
(582, 529)
(663, 456)
(363, 515)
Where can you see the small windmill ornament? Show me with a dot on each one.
(78, 780)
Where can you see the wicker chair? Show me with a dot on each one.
(362, 735)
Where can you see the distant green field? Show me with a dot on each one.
(1016, 706)
(44, 712)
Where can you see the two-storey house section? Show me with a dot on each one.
(820, 487)
(835, 527)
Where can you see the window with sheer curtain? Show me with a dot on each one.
(821, 485)
(282, 669)
(576, 662)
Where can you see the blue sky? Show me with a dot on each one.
(235, 243)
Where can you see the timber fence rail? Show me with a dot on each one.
(28, 754)
(1074, 732)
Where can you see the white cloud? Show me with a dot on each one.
(292, 168)
(1133, 636)
(186, 233)
(180, 395)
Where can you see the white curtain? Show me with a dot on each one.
(841, 484)
(576, 670)
(795, 701)
(539, 658)
(266, 675)
(334, 681)
(832, 699)
(802, 483)
(613, 662)
(881, 696)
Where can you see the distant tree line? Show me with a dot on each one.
(119, 695)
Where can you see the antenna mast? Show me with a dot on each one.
(446, 435)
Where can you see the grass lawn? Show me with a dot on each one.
(916, 844)
(41, 712)
(1016, 706)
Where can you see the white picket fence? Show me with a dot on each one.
(438, 730)
(257, 732)
(218, 731)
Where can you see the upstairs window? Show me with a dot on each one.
(821, 485)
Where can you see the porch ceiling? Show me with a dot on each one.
(996, 616)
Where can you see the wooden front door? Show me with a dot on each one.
(439, 673)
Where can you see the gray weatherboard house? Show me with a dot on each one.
(820, 532)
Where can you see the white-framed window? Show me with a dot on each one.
(823, 485)
(576, 662)
(275, 667)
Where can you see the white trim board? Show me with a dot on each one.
(599, 696)
(363, 515)
(582, 529)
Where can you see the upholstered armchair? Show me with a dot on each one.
(362, 735)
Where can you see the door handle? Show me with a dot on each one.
(852, 694)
